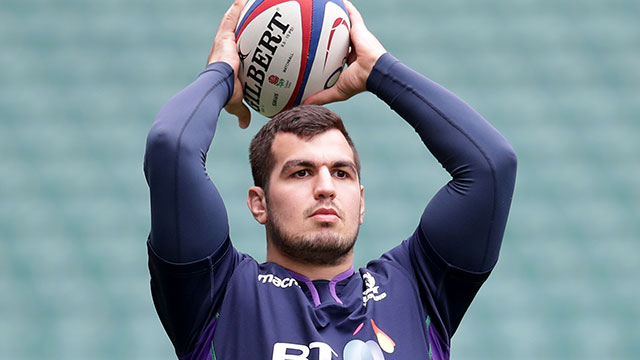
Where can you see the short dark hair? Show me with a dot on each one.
(305, 121)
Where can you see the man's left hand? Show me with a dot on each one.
(365, 52)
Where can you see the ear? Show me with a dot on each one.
(361, 204)
(257, 203)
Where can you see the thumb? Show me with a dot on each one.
(236, 107)
(241, 111)
(329, 95)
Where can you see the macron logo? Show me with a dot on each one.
(276, 281)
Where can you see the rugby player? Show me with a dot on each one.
(307, 301)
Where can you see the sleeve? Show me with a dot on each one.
(190, 254)
(457, 242)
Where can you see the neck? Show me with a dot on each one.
(311, 271)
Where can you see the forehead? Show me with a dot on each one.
(326, 147)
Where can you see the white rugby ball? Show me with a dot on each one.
(289, 50)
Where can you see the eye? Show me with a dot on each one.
(341, 174)
(301, 173)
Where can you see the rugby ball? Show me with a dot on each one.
(289, 50)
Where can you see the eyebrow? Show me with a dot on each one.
(289, 165)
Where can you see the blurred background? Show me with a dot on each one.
(81, 82)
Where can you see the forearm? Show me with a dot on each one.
(188, 218)
(465, 221)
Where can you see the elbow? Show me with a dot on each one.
(505, 158)
(498, 163)
(505, 164)
(495, 161)
(160, 139)
(161, 144)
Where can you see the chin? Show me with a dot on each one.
(324, 246)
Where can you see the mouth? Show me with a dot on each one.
(325, 215)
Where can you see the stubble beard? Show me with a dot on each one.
(323, 248)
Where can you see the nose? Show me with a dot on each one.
(324, 186)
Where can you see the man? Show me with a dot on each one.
(306, 301)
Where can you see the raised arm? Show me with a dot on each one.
(458, 239)
(188, 217)
(465, 221)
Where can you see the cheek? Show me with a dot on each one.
(353, 201)
(282, 203)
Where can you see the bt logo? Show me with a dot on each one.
(286, 351)
(355, 349)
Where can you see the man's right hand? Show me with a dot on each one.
(224, 49)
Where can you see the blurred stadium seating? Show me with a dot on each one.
(81, 81)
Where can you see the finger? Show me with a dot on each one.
(354, 14)
(244, 117)
(353, 56)
(241, 111)
(326, 96)
(230, 18)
